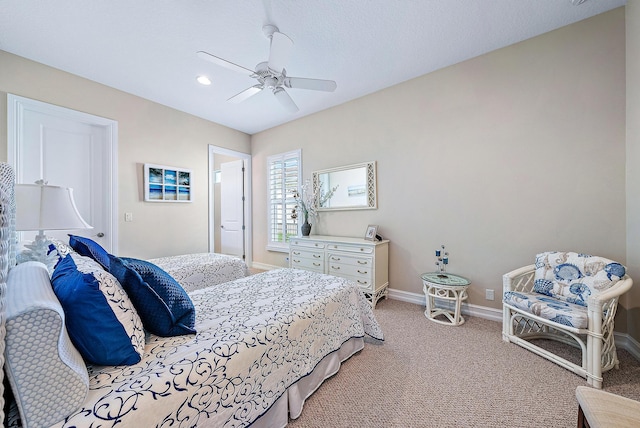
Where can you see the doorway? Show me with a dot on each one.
(230, 202)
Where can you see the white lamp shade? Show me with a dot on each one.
(44, 207)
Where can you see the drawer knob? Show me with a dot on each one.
(361, 249)
(335, 258)
(297, 253)
(335, 267)
(362, 262)
(362, 282)
(296, 261)
(316, 264)
(364, 273)
(316, 256)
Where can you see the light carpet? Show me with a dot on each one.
(430, 375)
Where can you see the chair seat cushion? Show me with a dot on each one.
(551, 309)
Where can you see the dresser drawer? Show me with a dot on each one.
(360, 249)
(365, 262)
(340, 269)
(306, 244)
(307, 264)
(366, 284)
(307, 254)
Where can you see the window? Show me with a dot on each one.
(284, 172)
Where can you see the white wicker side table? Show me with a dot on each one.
(448, 287)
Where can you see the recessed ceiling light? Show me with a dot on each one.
(203, 80)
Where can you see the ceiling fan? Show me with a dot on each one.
(271, 74)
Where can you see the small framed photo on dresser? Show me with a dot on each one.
(372, 231)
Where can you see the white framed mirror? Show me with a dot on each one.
(355, 187)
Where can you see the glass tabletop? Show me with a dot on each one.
(445, 278)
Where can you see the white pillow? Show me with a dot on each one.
(47, 374)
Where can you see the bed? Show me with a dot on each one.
(263, 344)
(201, 270)
(256, 338)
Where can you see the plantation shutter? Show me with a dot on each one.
(284, 172)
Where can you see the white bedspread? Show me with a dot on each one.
(201, 270)
(256, 337)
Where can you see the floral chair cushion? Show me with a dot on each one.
(549, 308)
(573, 277)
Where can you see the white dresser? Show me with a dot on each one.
(365, 262)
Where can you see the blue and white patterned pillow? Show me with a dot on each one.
(164, 307)
(574, 277)
(101, 320)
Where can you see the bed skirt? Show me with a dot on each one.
(290, 404)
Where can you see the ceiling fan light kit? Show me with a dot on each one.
(271, 74)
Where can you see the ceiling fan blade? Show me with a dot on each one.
(281, 47)
(285, 100)
(224, 63)
(314, 84)
(249, 92)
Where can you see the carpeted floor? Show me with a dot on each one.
(430, 375)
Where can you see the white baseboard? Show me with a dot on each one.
(623, 340)
(628, 343)
(264, 266)
(467, 309)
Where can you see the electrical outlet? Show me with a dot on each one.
(128, 216)
(489, 294)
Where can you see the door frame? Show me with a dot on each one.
(17, 105)
(213, 150)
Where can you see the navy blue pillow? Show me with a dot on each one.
(163, 305)
(92, 325)
(90, 248)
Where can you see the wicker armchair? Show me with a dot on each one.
(571, 298)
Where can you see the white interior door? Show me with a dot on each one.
(70, 149)
(232, 208)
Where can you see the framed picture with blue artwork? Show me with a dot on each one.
(166, 184)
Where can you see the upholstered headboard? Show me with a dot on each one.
(7, 256)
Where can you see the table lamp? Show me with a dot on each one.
(41, 207)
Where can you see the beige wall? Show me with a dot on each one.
(500, 157)
(511, 153)
(632, 301)
(147, 133)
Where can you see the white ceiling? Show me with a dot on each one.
(148, 47)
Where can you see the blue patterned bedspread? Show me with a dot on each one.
(256, 336)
